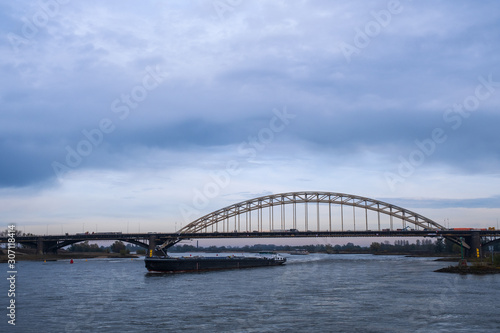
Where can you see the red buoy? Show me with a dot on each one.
(71, 261)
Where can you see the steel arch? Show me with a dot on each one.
(309, 197)
(492, 242)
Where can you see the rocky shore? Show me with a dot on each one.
(475, 269)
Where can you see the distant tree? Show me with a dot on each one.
(85, 247)
(439, 247)
(117, 247)
(329, 249)
(16, 232)
(448, 246)
(375, 247)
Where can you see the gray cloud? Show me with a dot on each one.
(489, 202)
(223, 78)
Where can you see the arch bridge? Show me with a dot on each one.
(292, 214)
(307, 212)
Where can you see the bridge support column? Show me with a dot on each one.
(43, 246)
(475, 245)
(152, 245)
(39, 246)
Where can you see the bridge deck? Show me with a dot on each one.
(268, 234)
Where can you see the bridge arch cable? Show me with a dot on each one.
(292, 198)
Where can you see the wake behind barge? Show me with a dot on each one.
(169, 264)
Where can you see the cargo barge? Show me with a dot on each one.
(169, 264)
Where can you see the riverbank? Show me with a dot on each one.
(474, 269)
(65, 256)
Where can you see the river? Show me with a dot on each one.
(311, 293)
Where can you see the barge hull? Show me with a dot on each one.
(177, 265)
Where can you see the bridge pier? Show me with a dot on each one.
(474, 240)
(39, 246)
(152, 246)
(43, 246)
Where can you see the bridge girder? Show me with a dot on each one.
(60, 245)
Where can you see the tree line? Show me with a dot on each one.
(116, 247)
(398, 246)
(426, 246)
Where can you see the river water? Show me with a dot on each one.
(312, 293)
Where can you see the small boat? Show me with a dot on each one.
(168, 264)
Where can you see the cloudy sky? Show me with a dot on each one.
(122, 115)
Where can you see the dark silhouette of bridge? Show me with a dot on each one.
(286, 215)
